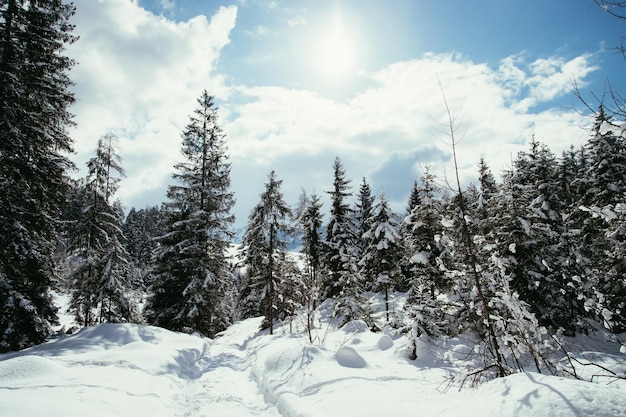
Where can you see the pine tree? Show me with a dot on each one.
(340, 249)
(542, 251)
(34, 97)
(101, 281)
(141, 228)
(192, 273)
(602, 222)
(422, 230)
(414, 198)
(380, 263)
(363, 211)
(312, 248)
(264, 246)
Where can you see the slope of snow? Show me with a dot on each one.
(133, 370)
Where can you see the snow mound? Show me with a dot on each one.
(350, 358)
(530, 394)
(27, 367)
(385, 342)
(355, 326)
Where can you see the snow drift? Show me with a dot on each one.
(133, 370)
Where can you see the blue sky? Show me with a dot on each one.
(300, 82)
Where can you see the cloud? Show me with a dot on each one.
(544, 79)
(139, 75)
(385, 131)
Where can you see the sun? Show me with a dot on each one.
(335, 50)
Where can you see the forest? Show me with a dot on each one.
(517, 261)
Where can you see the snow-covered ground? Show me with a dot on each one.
(132, 370)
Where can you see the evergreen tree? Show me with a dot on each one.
(34, 97)
(422, 231)
(344, 282)
(541, 250)
(192, 273)
(602, 221)
(264, 246)
(380, 263)
(414, 198)
(101, 281)
(312, 248)
(363, 211)
(340, 249)
(141, 228)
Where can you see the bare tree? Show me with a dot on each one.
(613, 102)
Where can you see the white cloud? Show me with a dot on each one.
(139, 75)
(401, 118)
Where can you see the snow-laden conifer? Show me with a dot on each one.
(192, 273)
(380, 262)
(34, 143)
(264, 246)
(101, 279)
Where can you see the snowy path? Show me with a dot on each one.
(129, 370)
(219, 381)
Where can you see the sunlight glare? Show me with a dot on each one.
(335, 51)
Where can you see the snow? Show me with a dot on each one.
(135, 370)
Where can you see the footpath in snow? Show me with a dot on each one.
(132, 370)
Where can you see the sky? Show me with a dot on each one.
(299, 83)
(144, 371)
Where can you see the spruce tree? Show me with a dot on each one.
(344, 282)
(34, 97)
(422, 230)
(192, 273)
(141, 228)
(340, 243)
(312, 249)
(542, 251)
(602, 221)
(362, 212)
(380, 263)
(264, 251)
(101, 281)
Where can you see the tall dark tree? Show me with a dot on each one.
(421, 230)
(602, 219)
(34, 97)
(101, 280)
(192, 273)
(380, 263)
(141, 228)
(264, 249)
(344, 282)
(362, 212)
(541, 251)
(312, 248)
(340, 251)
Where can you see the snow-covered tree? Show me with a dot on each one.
(141, 228)
(192, 273)
(100, 282)
(34, 98)
(264, 245)
(363, 210)
(601, 221)
(380, 263)
(340, 242)
(422, 232)
(312, 249)
(540, 249)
